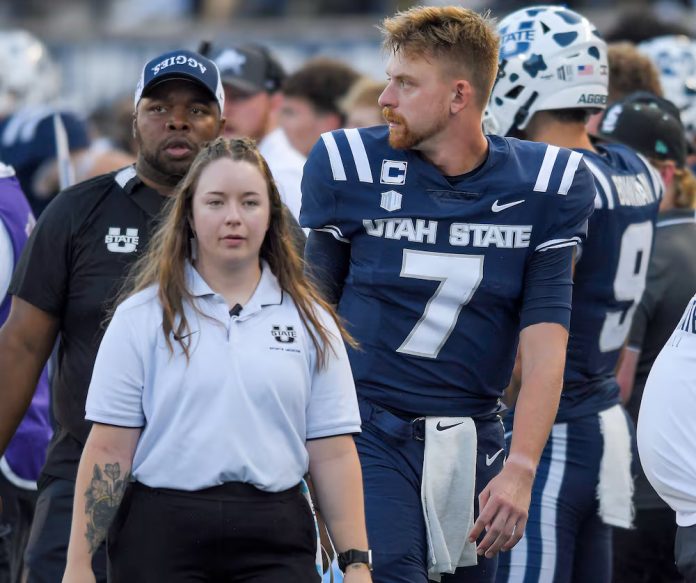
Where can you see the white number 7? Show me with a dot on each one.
(459, 277)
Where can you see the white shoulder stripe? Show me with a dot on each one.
(569, 172)
(558, 243)
(542, 181)
(339, 172)
(603, 183)
(334, 231)
(357, 147)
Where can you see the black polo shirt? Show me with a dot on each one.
(73, 267)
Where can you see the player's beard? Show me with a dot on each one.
(168, 172)
(402, 136)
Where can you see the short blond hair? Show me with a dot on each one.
(466, 39)
(630, 71)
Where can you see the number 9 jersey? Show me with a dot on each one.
(609, 276)
(445, 271)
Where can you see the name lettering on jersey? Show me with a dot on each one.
(634, 190)
(118, 243)
(391, 201)
(593, 99)
(178, 60)
(501, 236)
(460, 235)
(416, 231)
(393, 172)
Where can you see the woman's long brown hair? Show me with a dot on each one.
(164, 261)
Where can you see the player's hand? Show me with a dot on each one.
(503, 508)
(357, 574)
(79, 574)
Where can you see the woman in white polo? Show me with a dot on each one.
(219, 382)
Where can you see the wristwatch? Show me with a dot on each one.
(352, 556)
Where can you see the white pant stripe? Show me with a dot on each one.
(549, 502)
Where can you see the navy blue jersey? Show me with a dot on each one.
(609, 277)
(444, 272)
(28, 142)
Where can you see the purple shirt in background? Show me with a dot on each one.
(26, 453)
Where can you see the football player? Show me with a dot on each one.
(553, 75)
(441, 247)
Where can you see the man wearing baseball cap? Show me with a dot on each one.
(72, 268)
(252, 78)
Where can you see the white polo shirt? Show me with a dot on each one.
(241, 409)
(667, 421)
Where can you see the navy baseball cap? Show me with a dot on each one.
(181, 64)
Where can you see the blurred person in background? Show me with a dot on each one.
(311, 101)
(675, 59)
(252, 78)
(652, 127)
(26, 453)
(629, 71)
(360, 106)
(71, 269)
(34, 132)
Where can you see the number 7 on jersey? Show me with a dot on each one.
(459, 277)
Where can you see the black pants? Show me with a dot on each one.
(50, 532)
(17, 513)
(685, 552)
(227, 534)
(645, 554)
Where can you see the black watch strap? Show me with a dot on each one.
(352, 556)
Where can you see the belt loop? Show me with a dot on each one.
(418, 428)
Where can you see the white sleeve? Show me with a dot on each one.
(6, 261)
(115, 392)
(333, 405)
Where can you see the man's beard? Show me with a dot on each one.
(403, 137)
(170, 171)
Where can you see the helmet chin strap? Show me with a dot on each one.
(523, 112)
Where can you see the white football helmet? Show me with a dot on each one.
(675, 59)
(550, 58)
(28, 75)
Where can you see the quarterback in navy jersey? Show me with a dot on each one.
(553, 74)
(439, 246)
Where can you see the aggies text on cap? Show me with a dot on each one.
(181, 64)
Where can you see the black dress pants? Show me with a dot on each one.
(226, 534)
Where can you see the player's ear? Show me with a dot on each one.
(462, 95)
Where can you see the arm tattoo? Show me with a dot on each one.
(102, 499)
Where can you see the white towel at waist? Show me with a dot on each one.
(447, 493)
(615, 488)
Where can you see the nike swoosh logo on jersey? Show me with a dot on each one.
(440, 427)
(496, 208)
(490, 460)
